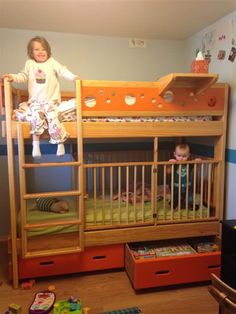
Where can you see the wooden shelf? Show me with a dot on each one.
(197, 82)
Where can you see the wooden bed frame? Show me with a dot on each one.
(177, 94)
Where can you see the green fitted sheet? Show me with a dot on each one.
(103, 214)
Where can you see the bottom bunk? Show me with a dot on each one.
(130, 194)
(103, 217)
(124, 202)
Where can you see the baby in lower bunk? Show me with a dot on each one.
(182, 153)
(41, 72)
(48, 204)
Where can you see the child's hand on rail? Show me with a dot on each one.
(9, 77)
(173, 160)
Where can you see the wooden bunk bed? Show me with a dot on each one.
(109, 206)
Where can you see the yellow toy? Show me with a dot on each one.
(14, 308)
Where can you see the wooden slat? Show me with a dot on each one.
(60, 251)
(51, 194)
(2, 103)
(135, 129)
(31, 226)
(79, 142)
(22, 181)
(148, 163)
(51, 164)
(118, 84)
(4, 129)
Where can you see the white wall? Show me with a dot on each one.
(221, 36)
(96, 57)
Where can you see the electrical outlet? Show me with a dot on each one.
(137, 43)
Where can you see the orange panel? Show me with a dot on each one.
(93, 258)
(147, 99)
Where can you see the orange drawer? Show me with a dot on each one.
(102, 257)
(48, 266)
(92, 258)
(165, 271)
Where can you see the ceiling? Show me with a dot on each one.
(154, 19)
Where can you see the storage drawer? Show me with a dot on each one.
(48, 266)
(102, 257)
(171, 270)
(92, 258)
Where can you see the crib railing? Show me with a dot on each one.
(148, 193)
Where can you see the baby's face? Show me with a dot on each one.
(181, 154)
(39, 52)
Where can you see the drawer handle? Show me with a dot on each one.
(213, 266)
(46, 263)
(162, 272)
(99, 257)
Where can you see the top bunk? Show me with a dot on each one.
(179, 104)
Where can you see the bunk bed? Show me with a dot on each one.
(114, 202)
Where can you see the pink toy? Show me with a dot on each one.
(43, 302)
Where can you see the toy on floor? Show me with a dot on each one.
(71, 305)
(43, 302)
(129, 310)
(28, 284)
(14, 308)
(86, 310)
(51, 288)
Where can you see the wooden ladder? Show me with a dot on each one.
(26, 250)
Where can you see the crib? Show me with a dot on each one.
(126, 195)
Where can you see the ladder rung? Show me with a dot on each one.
(52, 164)
(51, 194)
(53, 252)
(52, 224)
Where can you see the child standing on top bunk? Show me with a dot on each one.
(182, 153)
(41, 72)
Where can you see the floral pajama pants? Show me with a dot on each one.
(45, 115)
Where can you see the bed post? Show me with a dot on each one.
(219, 153)
(80, 159)
(155, 177)
(11, 182)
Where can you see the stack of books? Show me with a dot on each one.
(155, 250)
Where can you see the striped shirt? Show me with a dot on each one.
(45, 204)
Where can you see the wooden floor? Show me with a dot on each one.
(106, 291)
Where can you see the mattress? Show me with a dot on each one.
(67, 112)
(103, 212)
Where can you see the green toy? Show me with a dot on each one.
(71, 305)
